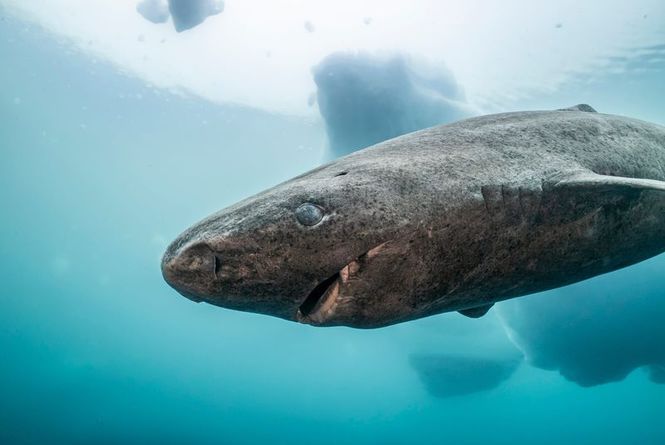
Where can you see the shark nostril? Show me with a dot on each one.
(217, 264)
(189, 263)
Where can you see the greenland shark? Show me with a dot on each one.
(450, 218)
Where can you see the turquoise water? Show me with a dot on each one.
(99, 172)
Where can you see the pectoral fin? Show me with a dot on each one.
(593, 181)
(476, 312)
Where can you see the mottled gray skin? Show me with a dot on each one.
(451, 218)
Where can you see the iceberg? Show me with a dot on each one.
(155, 11)
(190, 13)
(367, 98)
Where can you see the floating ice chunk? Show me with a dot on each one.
(155, 11)
(365, 98)
(456, 375)
(190, 13)
(309, 26)
(594, 332)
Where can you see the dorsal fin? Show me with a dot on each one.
(579, 107)
(590, 180)
(476, 312)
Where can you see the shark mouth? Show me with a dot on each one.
(321, 302)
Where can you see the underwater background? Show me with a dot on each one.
(103, 163)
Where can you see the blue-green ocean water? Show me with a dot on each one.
(99, 171)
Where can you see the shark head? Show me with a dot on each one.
(325, 248)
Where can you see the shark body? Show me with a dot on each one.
(451, 218)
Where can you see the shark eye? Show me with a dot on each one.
(309, 214)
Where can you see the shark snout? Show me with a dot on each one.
(190, 269)
(229, 273)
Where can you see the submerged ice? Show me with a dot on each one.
(190, 13)
(457, 375)
(155, 11)
(592, 335)
(366, 98)
(186, 14)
